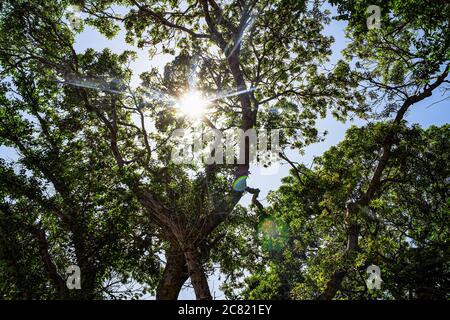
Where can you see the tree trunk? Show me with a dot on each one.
(334, 284)
(174, 276)
(197, 275)
(58, 282)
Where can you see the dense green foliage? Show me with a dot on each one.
(405, 227)
(92, 182)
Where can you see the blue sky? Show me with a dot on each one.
(429, 112)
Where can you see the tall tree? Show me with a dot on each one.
(61, 202)
(240, 46)
(398, 66)
(403, 230)
(401, 64)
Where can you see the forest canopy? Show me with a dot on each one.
(96, 204)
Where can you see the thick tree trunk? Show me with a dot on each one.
(174, 276)
(197, 274)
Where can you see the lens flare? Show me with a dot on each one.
(240, 184)
(274, 234)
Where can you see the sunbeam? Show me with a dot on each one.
(192, 104)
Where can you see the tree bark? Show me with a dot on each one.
(333, 285)
(174, 276)
(197, 274)
(58, 282)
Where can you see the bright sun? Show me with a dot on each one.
(192, 104)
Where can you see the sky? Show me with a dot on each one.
(427, 113)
